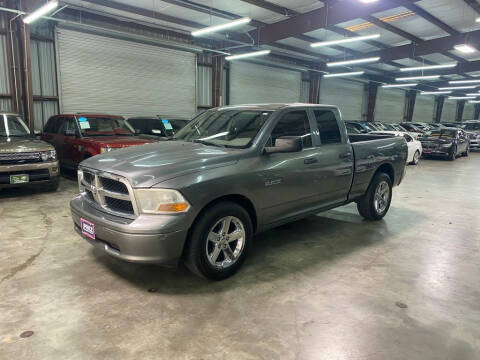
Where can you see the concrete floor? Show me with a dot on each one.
(328, 287)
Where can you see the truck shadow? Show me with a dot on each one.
(312, 243)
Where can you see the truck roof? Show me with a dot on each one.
(275, 106)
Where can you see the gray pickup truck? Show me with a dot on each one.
(232, 172)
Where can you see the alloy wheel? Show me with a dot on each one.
(382, 197)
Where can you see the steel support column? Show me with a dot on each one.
(218, 63)
(438, 108)
(460, 108)
(26, 60)
(314, 92)
(411, 96)
(372, 90)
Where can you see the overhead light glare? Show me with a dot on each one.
(345, 41)
(429, 67)
(474, 102)
(41, 11)
(398, 85)
(465, 48)
(429, 77)
(355, 73)
(477, 20)
(221, 27)
(352, 62)
(457, 87)
(368, 1)
(464, 82)
(474, 94)
(248, 55)
(461, 97)
(435, 92)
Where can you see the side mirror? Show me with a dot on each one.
(70, 133)
(286, 144)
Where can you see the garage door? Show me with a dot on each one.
(390, 105)
(423, 111)
(253, 84)
(107, 75)
(449, 111)
(469, 112)
(347, 95)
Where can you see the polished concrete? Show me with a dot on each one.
(328, 287)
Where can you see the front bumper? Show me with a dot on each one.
(39, 173)
(146, 239)
(436, 151)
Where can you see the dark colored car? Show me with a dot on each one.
(354, 127)
(157, 126)
(448, 143)
(230, 173)
(412, 128)
(472, 128)
(80, 136)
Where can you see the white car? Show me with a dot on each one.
(415, 149)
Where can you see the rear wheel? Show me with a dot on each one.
(219, 241)
(375, 203)
(416, 157)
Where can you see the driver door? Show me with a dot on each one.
(71, 152)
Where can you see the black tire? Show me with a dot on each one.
(467, 152)
(416, 158)
(453, 154)
(366, 205)
(52, 186)
(196, 258)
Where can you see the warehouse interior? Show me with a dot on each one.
(329, 286)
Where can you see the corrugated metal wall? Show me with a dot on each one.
(204, 81)
(347, 95)
(423, 111)
(449, 111)
(5, 103)
(469, 112)
(390, 105)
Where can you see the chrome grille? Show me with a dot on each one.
(109, 192)
(20, 158)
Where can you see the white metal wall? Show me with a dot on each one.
(347, 95)
(449, 111)
(423, 111)
(103, 74)
(390, 105)
(469, 112)
(5, 104)
(253, 83)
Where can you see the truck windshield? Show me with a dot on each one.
(13, 125)
(234, 128)
(104, 126)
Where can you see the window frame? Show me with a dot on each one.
(282, 114)
(341, 126)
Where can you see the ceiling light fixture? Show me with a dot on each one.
(353, 62)
(457, 87)
(221, 27)
(464, 81)
(429, 67)
(398, 85)
(435, 92)
(355, 73)
(248, 55)
(465, 48)
(474, 102)
(461, 97)
(474, 94)
(429, 77)
(41, 11)
(477, 20)
(368, 1)
(344, 41)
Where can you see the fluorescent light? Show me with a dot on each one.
(248, 55)
(477, 20)
(355, 73)
(368, 1)
(429, 67)
(474, 102)
(398, 85)
(474, 94)
(344, 41)
(461, 97)
(418, 78)
(464, 82)
(465, 48)
(457, 87)
(435, 92)
(41, 11)
(351, 62)
(216, 28)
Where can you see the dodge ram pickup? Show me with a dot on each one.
(232, 172)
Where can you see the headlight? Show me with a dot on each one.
(447, 145)
(80, 178)
(160, 201)
(50, 155)
(105, 149)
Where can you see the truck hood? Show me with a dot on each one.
(22, 144)
(145, 166)
(116, 141)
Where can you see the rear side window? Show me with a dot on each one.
(328, 127)
(294, 123)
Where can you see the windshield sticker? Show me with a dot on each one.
(84, 124)
(82, 119)
(167, 124)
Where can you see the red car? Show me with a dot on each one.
(80, 136)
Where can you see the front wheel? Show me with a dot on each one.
(467, 152)
(453, 154)
(375, 203)
(219, 241)
(416, 157)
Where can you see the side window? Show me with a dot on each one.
(60, 126)
(51, 126)
(328, 127)
(294, 123)
(407, 137)
(70, 126)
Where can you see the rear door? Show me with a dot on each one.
(335, 158)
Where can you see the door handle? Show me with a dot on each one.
(310, 161)
(345, 155)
